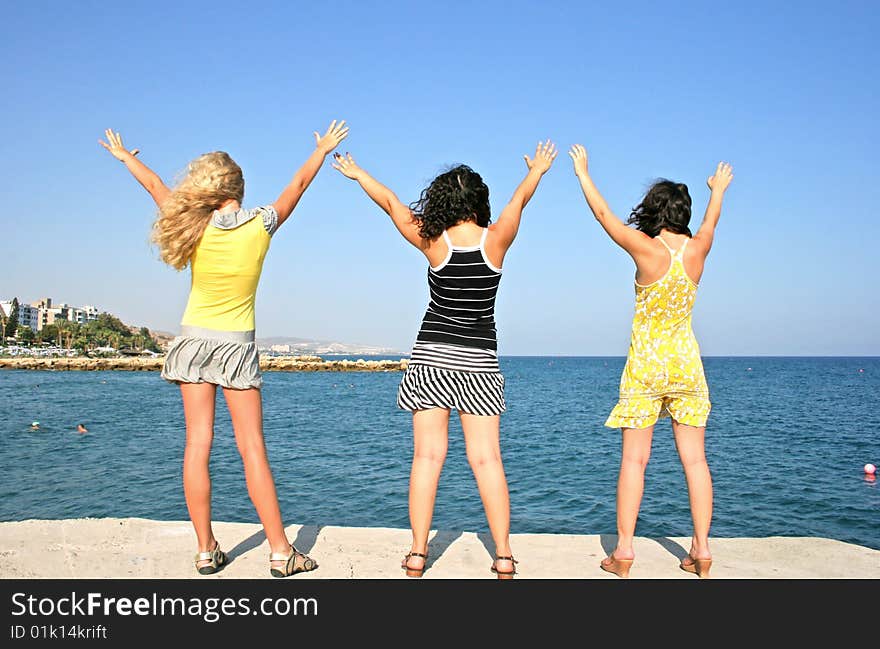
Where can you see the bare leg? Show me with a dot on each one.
(198, 411)
(690, 442)
(630, 486)
(246, 410)
(481, 436)
(431, 438)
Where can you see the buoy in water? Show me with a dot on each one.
(870, 469)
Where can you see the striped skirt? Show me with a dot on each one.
(471, 393)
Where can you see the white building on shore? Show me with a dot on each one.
(41, 313)
(27, 315)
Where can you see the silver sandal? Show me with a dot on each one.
(296, 562)
(216, 557)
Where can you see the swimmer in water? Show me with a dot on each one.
(80, 428)
(35, 425)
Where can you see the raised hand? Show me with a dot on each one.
(545, 154)
(720, 180)
(114, 145)
(346, 165)
(579, 156)
(331, 139)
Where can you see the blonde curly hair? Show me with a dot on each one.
(210, 180)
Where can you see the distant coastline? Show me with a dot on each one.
(332, 362)
(154, 364)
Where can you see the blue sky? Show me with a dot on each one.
(789, 97)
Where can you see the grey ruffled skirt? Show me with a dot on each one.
(226, 358)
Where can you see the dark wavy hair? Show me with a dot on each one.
(452, 197)
(666, 205)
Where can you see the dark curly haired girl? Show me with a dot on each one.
(452, 197)
(454, 362)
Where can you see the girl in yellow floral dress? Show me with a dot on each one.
(663, 376)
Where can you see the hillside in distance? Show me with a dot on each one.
(303, 346)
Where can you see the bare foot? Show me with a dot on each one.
(504, 566)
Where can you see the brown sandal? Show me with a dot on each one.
(698, 567)
(296, 562)
(414, 572)
(619, 567)
(507, 574)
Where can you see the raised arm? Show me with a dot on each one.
(400, 214)
(306, 174)
(507, 225)
(142, 173)
(718, 183)
(633, 241)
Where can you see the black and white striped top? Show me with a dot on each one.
(458, 330)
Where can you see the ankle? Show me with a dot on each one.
(700, 548)
(210, 545)
(624, 551)
(280, 549)
(419, 548)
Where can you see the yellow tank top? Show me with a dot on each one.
(226, 269)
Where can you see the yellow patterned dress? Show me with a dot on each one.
(664, 375)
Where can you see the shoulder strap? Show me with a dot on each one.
(675, 254)
(447, 240)
(483, 237)
(666, 245)
(680, 252)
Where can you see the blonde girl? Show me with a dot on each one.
(202, 225)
